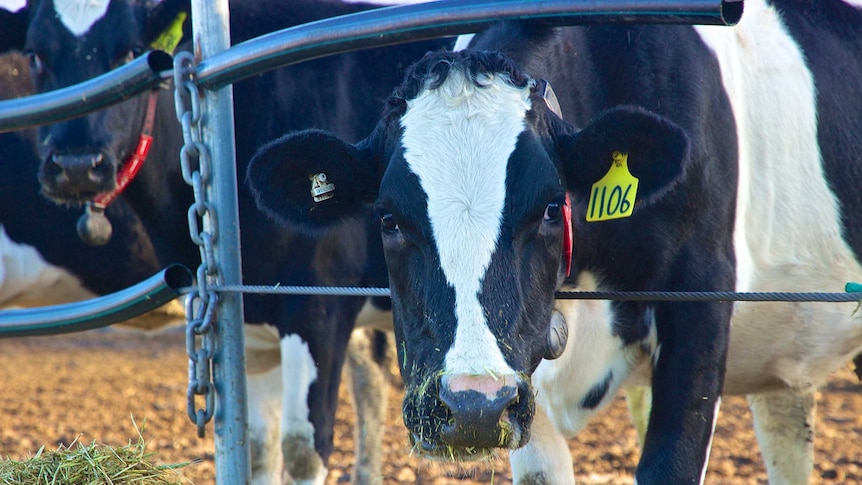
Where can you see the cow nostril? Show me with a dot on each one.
(99, 171)
(478, 406)
(53, 171)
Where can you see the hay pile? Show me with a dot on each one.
(93, 464)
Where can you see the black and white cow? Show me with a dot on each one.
(42, 259)
(292, 405)
(686, 158)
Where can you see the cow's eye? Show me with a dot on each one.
(553, 212)
(388, 223)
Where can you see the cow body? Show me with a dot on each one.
(295, 344)
(743, 149)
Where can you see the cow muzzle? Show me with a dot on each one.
(465, 417)
(76, 177)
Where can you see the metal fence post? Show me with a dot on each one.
(211, 30)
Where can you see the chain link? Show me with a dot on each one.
(202, 299)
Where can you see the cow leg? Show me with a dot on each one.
(263, 381)
(784, 425)
(369, 386)
(301, 459)
(264, 400)
(368, 363)
(639, 401)
(545, 459)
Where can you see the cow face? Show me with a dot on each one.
(69, 42)
(468, 172)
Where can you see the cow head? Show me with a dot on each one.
(69, 42)
(468, 171)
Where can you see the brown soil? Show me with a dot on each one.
(55, 389)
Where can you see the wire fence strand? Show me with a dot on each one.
(689, 296)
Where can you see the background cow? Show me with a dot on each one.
(42, 259)
(746, 165)
(291, 412)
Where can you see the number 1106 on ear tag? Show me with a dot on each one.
(613, 197)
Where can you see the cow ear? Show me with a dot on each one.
(311, 180)
(656, 151)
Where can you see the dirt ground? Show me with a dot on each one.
(91, 385)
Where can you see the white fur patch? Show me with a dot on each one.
(296, 356)
(27, 280)
(298, 374)
(457, 140)
(788, 231)
(591, 353)
(79, 16)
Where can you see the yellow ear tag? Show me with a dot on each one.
(613, 197)
(169, 39)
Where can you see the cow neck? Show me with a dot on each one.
(547, 93)
(93, 227)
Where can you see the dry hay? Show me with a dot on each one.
(93, 464)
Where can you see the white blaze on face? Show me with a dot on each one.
(457, 140)
(80, 16)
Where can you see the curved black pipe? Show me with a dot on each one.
(99, 312)
(136, 77)
(373, 28)
(393, 25)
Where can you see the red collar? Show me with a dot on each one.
(136, 159)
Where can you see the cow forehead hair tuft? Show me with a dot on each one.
(433, 69)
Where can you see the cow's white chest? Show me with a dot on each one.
(80, 16)
(27, 280)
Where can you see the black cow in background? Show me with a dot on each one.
(42, 259)
(292, 405)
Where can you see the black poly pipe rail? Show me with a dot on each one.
(99, 312)
(394, 25)
(136, 77)
(373, 28)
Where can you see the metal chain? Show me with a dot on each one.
(201, 300)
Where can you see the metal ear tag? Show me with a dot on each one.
(321, 188)
(550, 97)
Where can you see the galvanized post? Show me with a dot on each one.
(211, 30)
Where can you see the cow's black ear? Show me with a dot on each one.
(656, 151)
(14, 28)
(311, 180)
